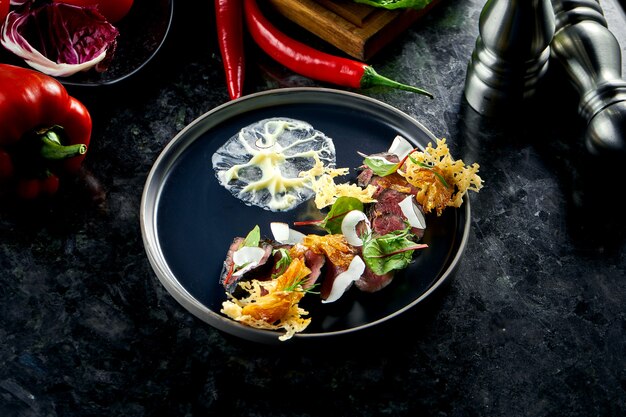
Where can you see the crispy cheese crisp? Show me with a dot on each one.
(441, 180)
(272, 305)
(327, 191)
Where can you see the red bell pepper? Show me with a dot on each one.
(44, 132)
(4, 10)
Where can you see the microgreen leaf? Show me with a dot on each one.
(253, 238)
(283, 263)
(339, 209)
(391, 251)
(381, 166)
(297, 286)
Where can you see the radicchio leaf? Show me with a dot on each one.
(60, 39)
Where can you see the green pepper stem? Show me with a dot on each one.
(51, 147)
(371, 78)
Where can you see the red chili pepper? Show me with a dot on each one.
(311, 62)
(229, 20)
(44, 132)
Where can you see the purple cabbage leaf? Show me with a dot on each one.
(60, 39)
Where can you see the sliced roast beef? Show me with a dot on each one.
(331, 271)
(315, 262)
(277, 266)
(269, 265)
(225, 277)
(386, 215)
(396, 181)
(262, 271)
(388, 202)
(366, 176)
(386, 223)
(370, 282)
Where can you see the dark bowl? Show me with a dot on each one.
(143, 31)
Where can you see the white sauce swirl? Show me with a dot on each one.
(266, 163)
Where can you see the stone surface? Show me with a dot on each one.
(532, 324)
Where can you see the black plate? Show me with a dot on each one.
(188, 220)
(143, 32)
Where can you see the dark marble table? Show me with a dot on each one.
(532, 324)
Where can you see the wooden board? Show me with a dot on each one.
(357, 29)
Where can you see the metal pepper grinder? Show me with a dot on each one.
(511, 54)
(591, 56)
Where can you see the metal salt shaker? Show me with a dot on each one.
(511, 54)
(591, 56)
